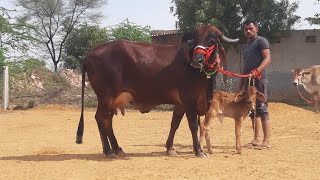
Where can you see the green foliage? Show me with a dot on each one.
(2, 58)
(272, 16)
(130, 31)
(315, 20)
(14, 35)
(80, 41)
(228, 15)
(16, 68)
(191, 13)
(55, 20)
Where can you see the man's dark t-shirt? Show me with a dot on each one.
(252, 54)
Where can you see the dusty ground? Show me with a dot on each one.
(40, 144)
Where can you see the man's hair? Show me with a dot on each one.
(249, 21)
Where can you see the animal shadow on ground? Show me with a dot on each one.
(56, 157)
(187, 149)
(91, 157)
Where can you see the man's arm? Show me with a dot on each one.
(266, 59)
(265, 62)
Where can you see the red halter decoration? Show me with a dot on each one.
(207, 53)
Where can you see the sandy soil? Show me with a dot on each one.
(40, 144)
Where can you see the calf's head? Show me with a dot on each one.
(205, 46)
(249, 96)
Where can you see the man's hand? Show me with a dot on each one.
(256, 74)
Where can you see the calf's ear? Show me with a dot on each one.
(239, 96)
(260, 97)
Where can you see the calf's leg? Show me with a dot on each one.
(238, 122)
(204, 134)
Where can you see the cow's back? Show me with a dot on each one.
(151, 73)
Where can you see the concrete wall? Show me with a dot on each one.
(290, 53)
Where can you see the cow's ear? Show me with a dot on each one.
(306, 72)
(187, 38)
(239, 96)
(260, 97)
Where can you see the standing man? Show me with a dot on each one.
(256, 58)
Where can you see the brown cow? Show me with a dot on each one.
(147, 75)
(233, 105)
(310, 79)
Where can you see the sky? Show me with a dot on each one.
(156, 13)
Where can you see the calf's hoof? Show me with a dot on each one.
(239, 151)
(210, 150)
(171, 152)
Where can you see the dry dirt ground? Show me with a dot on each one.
(40, 144)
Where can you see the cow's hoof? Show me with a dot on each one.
(120, 152)
(201, 154)
(111, 154)
(172, 152)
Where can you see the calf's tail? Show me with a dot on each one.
(81, 122)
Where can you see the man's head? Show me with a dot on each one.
(250, 28)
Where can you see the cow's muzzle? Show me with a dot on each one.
(197, 61)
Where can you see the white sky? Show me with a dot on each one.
(156, 13)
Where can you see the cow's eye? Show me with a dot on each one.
(212, 41)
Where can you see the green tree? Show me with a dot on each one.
(55, 20)
(14, 35)
(130, 31)
(316, 18)
(80, 41)
(273, 16)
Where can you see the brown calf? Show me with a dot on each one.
(233, 105)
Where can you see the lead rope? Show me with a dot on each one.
(307, 101)
(254, 112)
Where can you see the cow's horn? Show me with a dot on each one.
(228, 40)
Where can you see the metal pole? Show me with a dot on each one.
(5, 87)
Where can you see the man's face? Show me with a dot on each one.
(250, 31)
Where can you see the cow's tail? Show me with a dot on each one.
(81, 122)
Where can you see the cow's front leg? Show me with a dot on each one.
(316, 103)
(193, 125)
(177, 115)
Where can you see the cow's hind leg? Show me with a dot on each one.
(178, 113)
(104, 121)
(114, 143)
